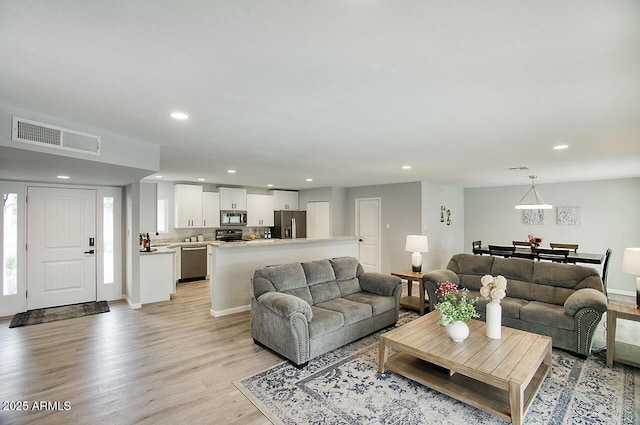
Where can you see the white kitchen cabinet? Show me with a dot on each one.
(233, 198)
(259, 210)
(210, 209)
(187, 206)
(318, 220)
(156, 272)
(285, 200)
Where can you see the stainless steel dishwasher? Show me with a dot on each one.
(193, 263)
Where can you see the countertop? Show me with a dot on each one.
(170, 247)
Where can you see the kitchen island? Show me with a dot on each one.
(232, 265)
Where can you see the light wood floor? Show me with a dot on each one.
(167, 363)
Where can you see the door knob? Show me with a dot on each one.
(91, 251)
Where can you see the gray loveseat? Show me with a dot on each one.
(302, 310)
(563, 301)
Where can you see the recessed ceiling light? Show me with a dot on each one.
(560, 147)
(231, 171)
(269, 185)
(158, 177)
(179, 116)
(200, 180)
(309, 180)
(63, 177)
(406, 167)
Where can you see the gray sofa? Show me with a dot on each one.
(302, 310)
(563, 301)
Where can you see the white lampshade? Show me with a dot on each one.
(417, 243)
(631, 261)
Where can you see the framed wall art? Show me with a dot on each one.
(569, 216)
(533, 216)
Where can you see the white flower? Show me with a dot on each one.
(486, 280)
(485, 291)
(493, 288)
(497, 294)
(501, 282)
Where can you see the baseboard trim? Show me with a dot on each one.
(230, 311)
(620, 292)
(132, 306)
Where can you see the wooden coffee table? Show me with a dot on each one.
(499, 376)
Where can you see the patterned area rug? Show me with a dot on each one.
(51, 314)
(344, 387)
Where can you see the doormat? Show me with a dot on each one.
(52, 314)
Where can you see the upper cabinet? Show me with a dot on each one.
(187, 205)
(210, 209)
(232, 198)
(285, 200)
(259, 210)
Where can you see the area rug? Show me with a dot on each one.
(52, 314)
(344, 387)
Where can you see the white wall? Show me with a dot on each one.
(610, 219)
(444, 240)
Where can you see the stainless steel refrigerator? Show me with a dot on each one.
(289, 224)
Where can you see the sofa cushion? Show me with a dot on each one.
(379, 304)
(345, 268)
(351, 310)
(547, 314)
(348, 287)
(287, 278)
(324, 321)
(319, 271)
(324, 291)
(510, 306)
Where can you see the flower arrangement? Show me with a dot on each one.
(494, 288)
(454, 304)
(534, 241)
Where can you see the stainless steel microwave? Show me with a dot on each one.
(233, 218)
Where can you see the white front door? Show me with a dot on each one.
(368, 231)
(61, 263)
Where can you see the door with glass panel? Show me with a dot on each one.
(61, 260)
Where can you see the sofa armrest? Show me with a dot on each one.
(380, 284)
(285, 305)
(585, 298)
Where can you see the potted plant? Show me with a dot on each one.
(455, 309)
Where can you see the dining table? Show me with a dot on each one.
(573, 257)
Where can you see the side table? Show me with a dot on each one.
(619, 310)
(413, 302)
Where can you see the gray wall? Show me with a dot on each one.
(401, 207)
(444, 240)
(337, 196)
(610, 219)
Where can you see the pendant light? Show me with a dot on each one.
(539, 202)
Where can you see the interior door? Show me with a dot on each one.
(368, 231)
(61, 261)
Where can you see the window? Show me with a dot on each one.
(162, 218)
(107, 240)
(10, 244)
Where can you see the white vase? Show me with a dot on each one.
(458, 330)
(494, 320)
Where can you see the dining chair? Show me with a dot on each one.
(555, 255)
(502, 250)
(476, 245)
(569, 246)
(605, 268)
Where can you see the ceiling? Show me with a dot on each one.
(345, 92)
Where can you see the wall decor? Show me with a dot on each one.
(533, 216)
(569, 216)
(442, 208)
(448, 217)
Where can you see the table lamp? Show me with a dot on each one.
(417, 244)
(631, 265)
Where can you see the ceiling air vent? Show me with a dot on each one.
(36, 133)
